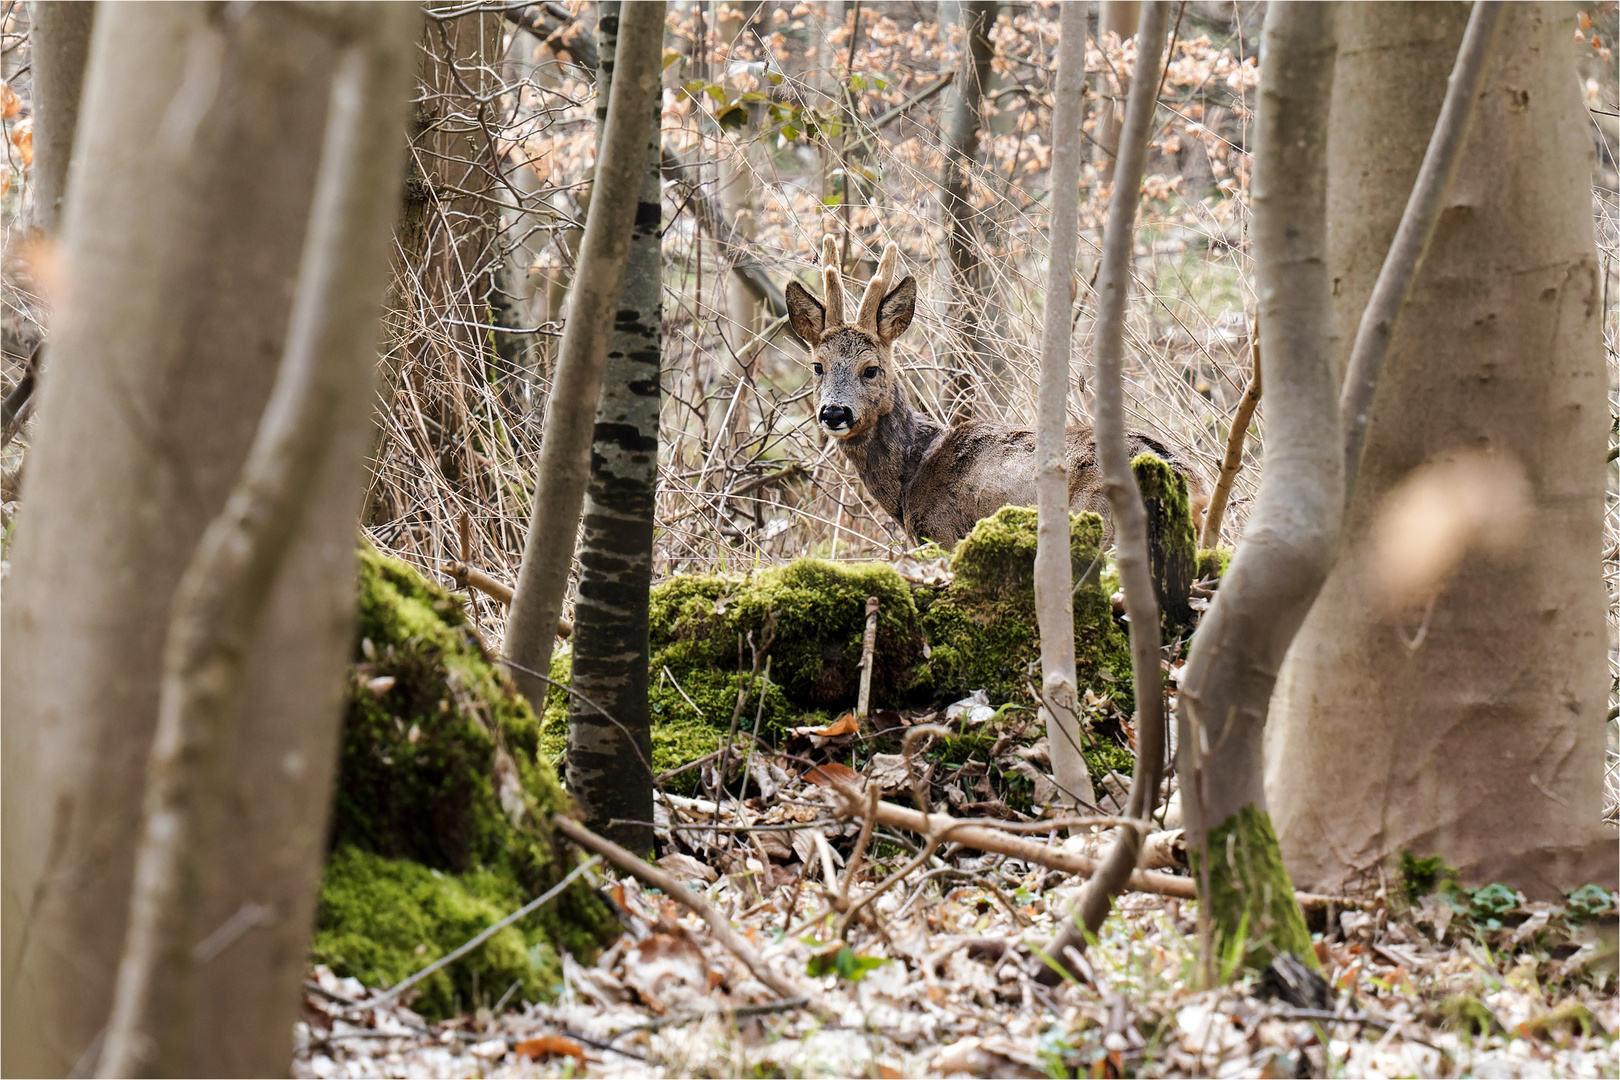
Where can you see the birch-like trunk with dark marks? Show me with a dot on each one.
(961, 155)
(606, 770)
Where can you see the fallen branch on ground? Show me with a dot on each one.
(678, 891)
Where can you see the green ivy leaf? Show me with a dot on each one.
(732, 118)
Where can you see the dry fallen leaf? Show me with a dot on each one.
(832, 773)
(551, 1046)
(844, 725)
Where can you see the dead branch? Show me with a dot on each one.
(678, 891)
(987, 837)
(1234, 447)
(714, 221)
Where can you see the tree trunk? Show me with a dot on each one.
(961, 156)
(565, 451)
(1292, 536)
(182, 240)
(1054, 576)
(222, 597)
(1468, 722)
(615, 557)
(1117, 17)
(61, 44)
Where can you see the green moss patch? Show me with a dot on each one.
(982, 630)
(1172, 544)
(1250, 901)
(442, 809)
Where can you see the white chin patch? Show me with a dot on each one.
(838, 433)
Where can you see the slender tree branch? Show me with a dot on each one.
(1234, 447)
(678, 891)
(712, 219)
(1394, 286)
(1124, 499)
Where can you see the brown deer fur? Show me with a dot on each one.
(936, 481)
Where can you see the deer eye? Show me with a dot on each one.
(869, 373)
(817, 367)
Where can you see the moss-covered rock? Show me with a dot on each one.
(820, 610)
(982, 630)
(442, 810)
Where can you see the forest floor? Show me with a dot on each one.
(941, 980)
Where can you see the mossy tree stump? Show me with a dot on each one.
(442, 813)
(1172, 543)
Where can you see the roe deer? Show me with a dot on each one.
(936, 481)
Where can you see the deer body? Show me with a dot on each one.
(936, 481)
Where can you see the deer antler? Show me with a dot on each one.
(834, 281)
(877, 288)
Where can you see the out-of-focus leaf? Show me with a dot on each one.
(550, 1046)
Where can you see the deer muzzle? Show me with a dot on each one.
(837, 420)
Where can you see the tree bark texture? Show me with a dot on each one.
(1119, 482)
(60, 34)
(1117, 17)
(565, 450)
(200, 138)
(615, 558)
(221, 598)
(961, 234)
(1054, 576)
(1292, 536)
(1469, 723)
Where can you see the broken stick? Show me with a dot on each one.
(678, 891)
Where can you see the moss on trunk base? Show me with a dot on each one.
(1249, 899)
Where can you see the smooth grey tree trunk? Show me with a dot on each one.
(565, 451)
(200, 138)
(1292, 536)
(1469, 722)
(60, 36)
(1054, 576)
(615, 556)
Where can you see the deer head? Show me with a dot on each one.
(857, 382)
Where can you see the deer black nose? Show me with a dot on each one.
(837, 416)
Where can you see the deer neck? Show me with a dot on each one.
(890, 454)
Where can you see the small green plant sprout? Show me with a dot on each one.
(844, 962)
(1589, 902)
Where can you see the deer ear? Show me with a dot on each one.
(806, 315)
(896, 310)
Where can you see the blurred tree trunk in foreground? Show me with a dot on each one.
(1447, 693)
(60, 33)
(200, 138)
(956, 192)
(615, 555)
